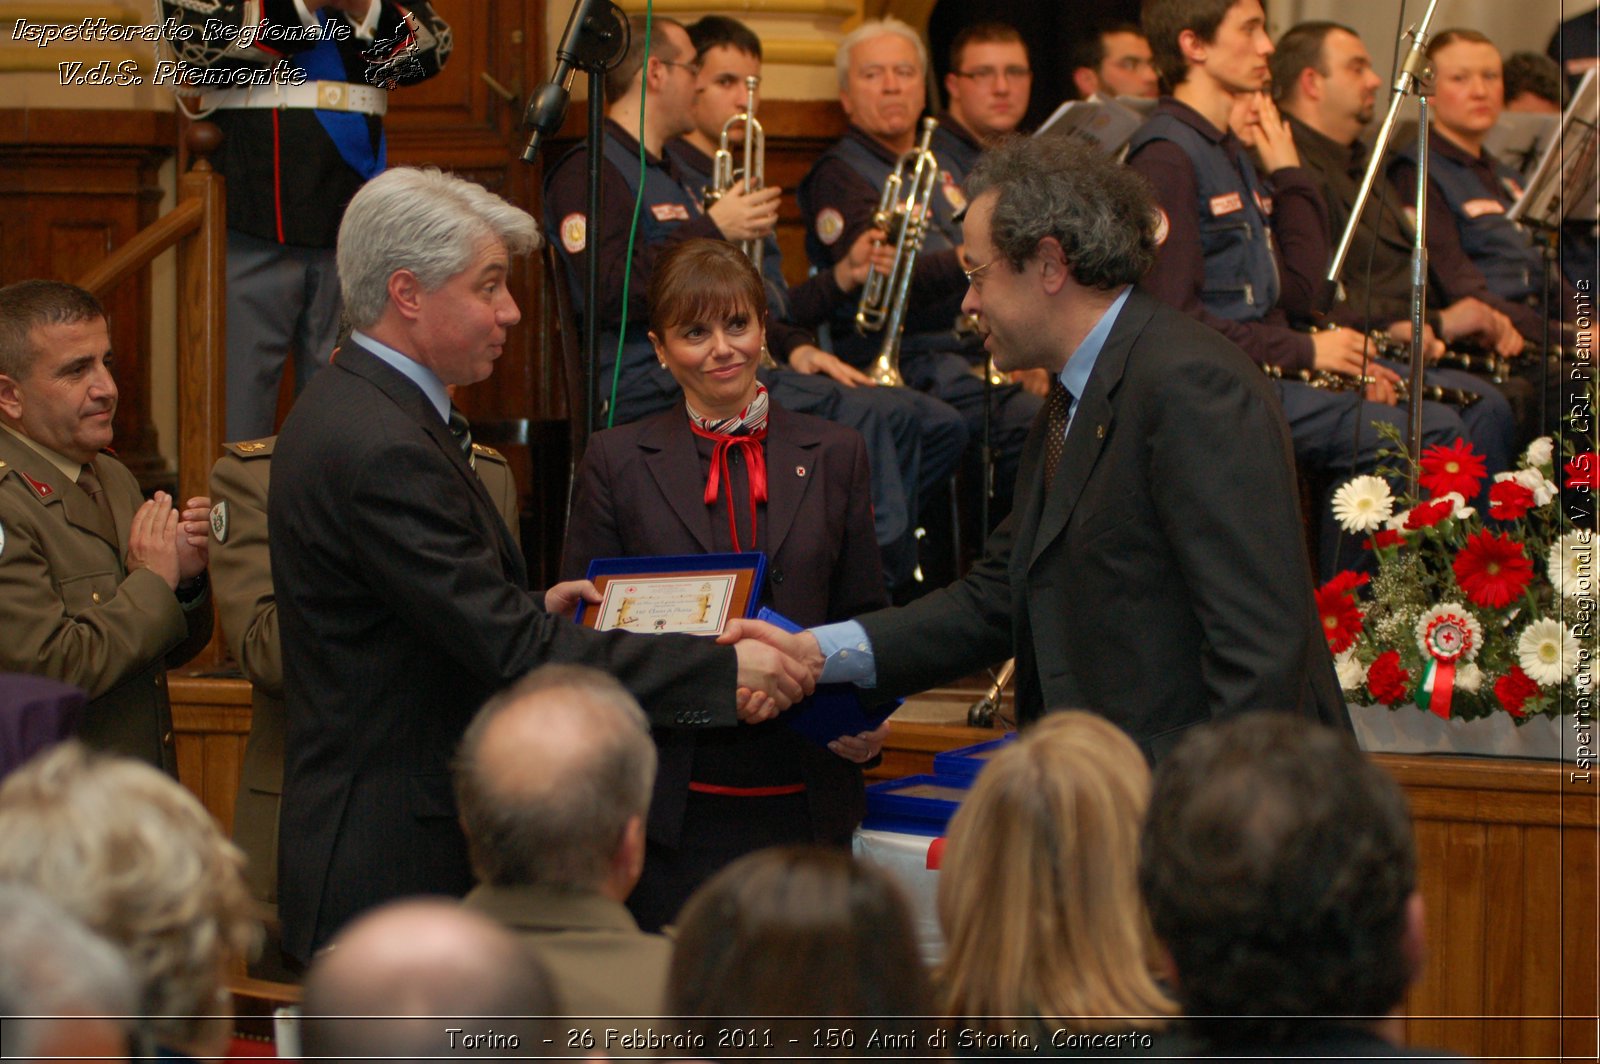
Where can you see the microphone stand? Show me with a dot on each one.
(594, 41)
(1407, 83)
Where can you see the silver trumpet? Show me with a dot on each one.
(754, 168)
(903, 215)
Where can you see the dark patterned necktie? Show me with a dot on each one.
(90, 483)
(461, 429)
(1057, 406)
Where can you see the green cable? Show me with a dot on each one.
(633, 228)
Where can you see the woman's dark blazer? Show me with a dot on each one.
(640, 492)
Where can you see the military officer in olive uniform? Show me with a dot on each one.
(98, 587)
(241, 570)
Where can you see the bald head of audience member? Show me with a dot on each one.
(135, 857)
(1280, 874)
(426, 979)
(553, 783)
(62, 987)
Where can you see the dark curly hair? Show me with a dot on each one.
(1277, 863)
(1102, 213)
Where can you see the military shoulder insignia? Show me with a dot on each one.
(574, 232)
(252, 447)
(830, 225)
(1162, 227)
(487, 452)
(40, 488)
(219, 521)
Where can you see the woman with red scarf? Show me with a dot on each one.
(729, 470)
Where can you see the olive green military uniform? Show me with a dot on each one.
(241, 571)
(70, 610)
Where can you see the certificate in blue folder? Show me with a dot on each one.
(834, 709)
(696, 594)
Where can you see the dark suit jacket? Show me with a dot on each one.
(640, 492)
(1164, 581)
(402, 604)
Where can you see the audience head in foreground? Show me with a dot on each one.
(136, 857)
(797, 932)
(1039, 889)
(432, 981)
(553, 782)
(1281, 877)
(63, 989)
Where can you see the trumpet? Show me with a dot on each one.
(903, 213)
(754, 170)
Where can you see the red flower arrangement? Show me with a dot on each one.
(1387, 681)
(1336, 605)
(1514, 689)
(1454, 468)
(1509, 501)
(1383, 538)
(1428, 514)
(1492, 570)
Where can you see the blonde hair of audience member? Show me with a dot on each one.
(799, 932)
(139, 861)
(1039, 891)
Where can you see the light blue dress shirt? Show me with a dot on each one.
(412, 370)
(844, 645)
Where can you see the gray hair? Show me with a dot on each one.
(559, 820)
(424, 221)
(1101, 213)
(51, 968)
(136, 857)
(868, 30)
(29, 305)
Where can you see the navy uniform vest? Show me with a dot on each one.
(1241, 281)
(928, 327)
(644, 386)
(1498, 247)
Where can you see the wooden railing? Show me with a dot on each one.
(198, 228)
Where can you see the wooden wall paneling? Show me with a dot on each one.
(1505, 951)
(78, 183)
(1463, 939)
(1578, 927)
(1424, 1026)
(1540, 973)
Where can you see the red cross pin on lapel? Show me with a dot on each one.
(799, 470)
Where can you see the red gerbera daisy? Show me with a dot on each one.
(1427, 514)
(1384, 537)
(1583, 471)
(1387, 681)
(1509, 500)
(1492, 570)
(1336, 605)
(1454, 468)
(1514, 689)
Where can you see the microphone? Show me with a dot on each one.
(589, 42)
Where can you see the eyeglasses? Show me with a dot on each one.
(692, 68)
(972, 274)
(989, 75)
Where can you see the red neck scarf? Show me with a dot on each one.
(746, 430)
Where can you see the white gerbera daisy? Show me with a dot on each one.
(1547, 651)
(1352, 674)
(1468, 677)
(1571, 564)
(1363, 504)
(1538, 454)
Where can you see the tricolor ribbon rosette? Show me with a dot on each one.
(1448, 635)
